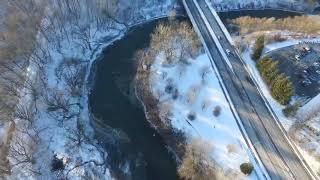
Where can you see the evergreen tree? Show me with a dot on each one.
(268, 69)
(282, 89)
(280, 85)
(258, 48)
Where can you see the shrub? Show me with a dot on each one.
(205, 104)
(258, 48)
(246, 168)
(169, 88)
(197, 164)
(217, 111)
(193, 93)
(57, 164)
(175, 94)
(192, 116)
(291, 110)
(232, 148)
(279, 38)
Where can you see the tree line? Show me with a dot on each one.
(300, 24)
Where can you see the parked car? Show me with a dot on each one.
(306, 82)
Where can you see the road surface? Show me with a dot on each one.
(268, 139)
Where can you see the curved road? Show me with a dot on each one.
(268, 139)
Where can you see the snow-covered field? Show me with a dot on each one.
(200, 95)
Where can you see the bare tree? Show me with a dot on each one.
(25, 112)
(77, 136)
(21, 153)
(72, 71)
(197, 163)
(193, 93)
(178, 42)
(205, 104)
(59, 104)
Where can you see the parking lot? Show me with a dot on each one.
(302, 64)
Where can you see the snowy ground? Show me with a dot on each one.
(199, 94)
(305, 138)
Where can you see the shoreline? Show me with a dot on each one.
(174, 140)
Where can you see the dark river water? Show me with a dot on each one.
(256, 13)
(113, 103)
(135, 150)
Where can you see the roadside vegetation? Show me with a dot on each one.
(279, 84)
(291, 109)
(258, 48)
(246, 168)
(299, 24)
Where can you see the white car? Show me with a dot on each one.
(228, 52)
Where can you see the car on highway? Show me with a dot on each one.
(228, 52)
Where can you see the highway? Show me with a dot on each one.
(272, 147)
